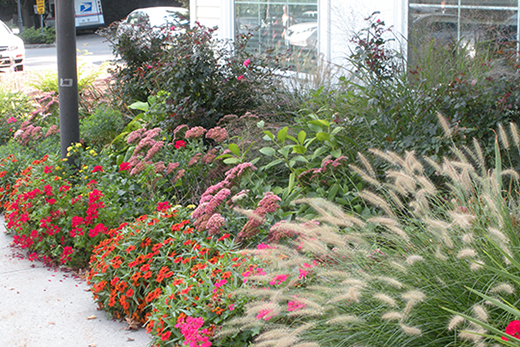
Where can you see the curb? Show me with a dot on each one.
(43, 45)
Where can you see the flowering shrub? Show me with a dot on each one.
(161, 261)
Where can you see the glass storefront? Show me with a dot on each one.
(472, 24)
(284, 26)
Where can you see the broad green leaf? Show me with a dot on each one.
(336, 154)
(268, 151)
(139, 105)
(321, 136)
(234, 149)
(282, 134)
(292, 138)
(301, 158)
(299, 149)
(231, 161)
(333, 191)
(320, 122)
(269, 134)
(301, 136)
(336, 130)
(273, 163)
(285, 150)
(319, 151)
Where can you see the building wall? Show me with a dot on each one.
(338, 21)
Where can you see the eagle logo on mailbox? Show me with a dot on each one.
(85, 7)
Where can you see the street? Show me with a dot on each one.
(92, 50)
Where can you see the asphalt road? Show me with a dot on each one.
(92, 50)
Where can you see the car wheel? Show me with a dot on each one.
(18, 68)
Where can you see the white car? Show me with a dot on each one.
(12, 50)
(162, 17)
(303, 35)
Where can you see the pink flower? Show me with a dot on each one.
(303, 273)
(295, 305)
(264, 314)
(240, 77)
(179, 144)
(195, 132)
(247, 62)
(264, 246)
(163, 206)
(278, 279)
(124, 166)
(231, 307)
(11, 120)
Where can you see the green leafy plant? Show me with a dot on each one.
(34, 36)
(102, 126)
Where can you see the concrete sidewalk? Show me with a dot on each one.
(42, 307)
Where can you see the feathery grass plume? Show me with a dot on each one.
(307, 344)
(364, 176)
(391, 281)
(449, 170)
(377, 201)
(464, 220)
(413, 295)
(468, 238)
(512, 173)
(367, 165)
(467, 253)
(472, 335)
(503, 136)
(498, 235)
(331, 213)
(466, 181)
(504, 288)
(439, 255)
(480, 313)
(455, 322)
(399, 232)
(414, 258)
(444, 124)
(392, 315)
(306, 312)
(355, 282)
(480, 155)
(344, 319)
(433, 164)
(493, 208)
(428, 186)
(421, 200)
(395, 188)
(412, 165)
(514, 133)
(396, 200)
(460, 155)
(402, 180)
(476, 266)
(353, 294)
(410, 330)
(386, 299)
(389, 156)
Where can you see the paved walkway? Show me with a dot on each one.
(42, 307)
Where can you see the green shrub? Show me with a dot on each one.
(14, 110)
(102, 126)
(203, 80)
(160, 271)
(34, 36)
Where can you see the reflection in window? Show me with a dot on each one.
(283, 26)
(472, 24)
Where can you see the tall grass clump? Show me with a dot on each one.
(421, 271)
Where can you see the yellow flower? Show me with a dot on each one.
(78, 144)
(65, 159)
(69, 148)
(93, 152)
(190, 207)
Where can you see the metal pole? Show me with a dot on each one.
(20, 19)
(41, 23)
(67, 76)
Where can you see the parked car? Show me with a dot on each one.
(303, 35)
(12, 50)
(157, 18)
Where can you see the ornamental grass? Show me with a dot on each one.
(414, 273)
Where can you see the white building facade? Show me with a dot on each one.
(325, 27)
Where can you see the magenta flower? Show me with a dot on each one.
(513, 329)
(240, 77)
(247, 62)
(11, 120)
(179, 144)
(97, 168)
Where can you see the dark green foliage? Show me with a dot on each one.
(102, 126)
(34, 36)
(203, 79)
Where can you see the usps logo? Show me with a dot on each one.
(85, 7)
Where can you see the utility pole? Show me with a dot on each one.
(20, 19)
(67, 76)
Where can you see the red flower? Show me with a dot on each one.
(513, 329)
(179, 144)
(97, 168)
(47, 169)
(124, 166)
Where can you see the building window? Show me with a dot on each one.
(466, 23)
(280, 26)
